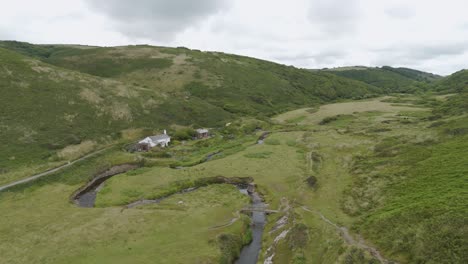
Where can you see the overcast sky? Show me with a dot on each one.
(430, 35)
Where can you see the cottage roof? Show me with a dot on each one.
(159, 137)
(202, 131)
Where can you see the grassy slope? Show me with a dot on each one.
(414, 74)
(423, 217)
(411, 191)
(48, 108)
(396, 177)
(92, 94)
(237, 84)
(388, 78)
(457, 82)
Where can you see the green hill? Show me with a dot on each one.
(235, 83)
(48, 108)
(388, 78)
(414, 74)
(56, 95)
(457, 84)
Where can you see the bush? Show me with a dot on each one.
(158, 154)
(434, 117)
(185, 134)
(298, 237)
(436, 124)
(328, 120)
(272, 141)
(457, 131)
(259, 155)
(312, 181)
(231, 244)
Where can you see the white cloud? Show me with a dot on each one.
(400, 12)
(156, 19)
(335, 17)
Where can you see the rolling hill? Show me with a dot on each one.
(381, 180)
(457, 82)
(457, 85)
(55, 96)
(388, 78)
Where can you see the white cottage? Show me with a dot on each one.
(158, 140)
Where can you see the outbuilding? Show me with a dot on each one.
(202, 133)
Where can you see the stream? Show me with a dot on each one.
(249, 254)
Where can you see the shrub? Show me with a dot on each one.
(328, 120)
(379, 130)
(436, 124)
(312, 181)
(231, 244)
(434, 117)
(185, 134)
(259, 155)
(298, 237)
(291, 143)
(272, 141)
(457, 131)
(159, 154)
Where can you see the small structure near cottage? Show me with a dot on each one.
(140, 147)
(202, 133)
(153, 141)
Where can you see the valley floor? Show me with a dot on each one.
(350, 182)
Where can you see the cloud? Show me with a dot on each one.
(306, 58)
(419, 54)
(400, 12)
(334, 17)
(7, 34)
(464, 26)
(159, 20)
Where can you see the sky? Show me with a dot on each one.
(429, 35)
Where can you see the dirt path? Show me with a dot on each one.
(309, 161)
(349, 239)
(230, 223)
(40, 175)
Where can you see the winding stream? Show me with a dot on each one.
(86, 196)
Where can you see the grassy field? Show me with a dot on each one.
(388, 171)
(269, 172)
(171, 232)
(306, 116)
